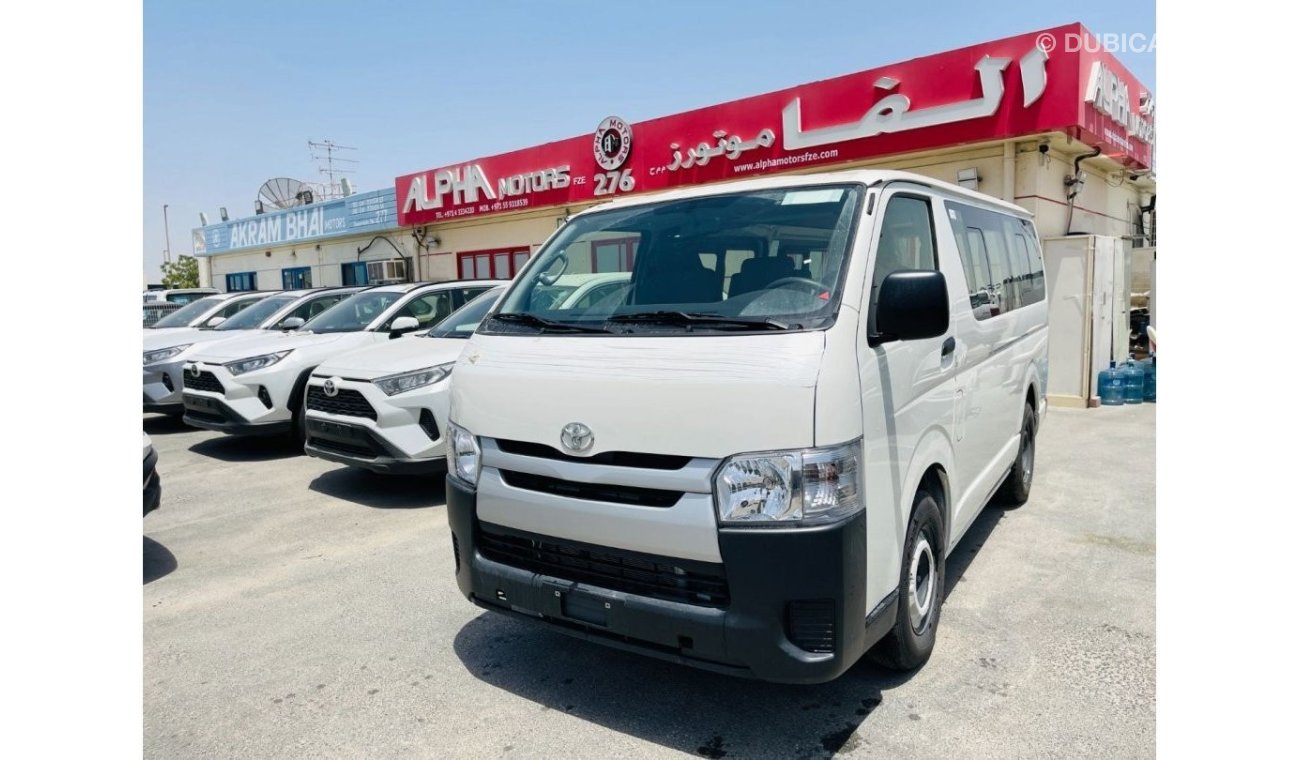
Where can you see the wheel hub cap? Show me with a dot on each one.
(921, 584)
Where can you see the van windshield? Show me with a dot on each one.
(762, 260)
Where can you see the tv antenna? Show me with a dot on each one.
(325, 154)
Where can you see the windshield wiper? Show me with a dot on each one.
(546, 324)
(694, 318)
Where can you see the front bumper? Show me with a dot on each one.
(162, 387)
(235, 405)
(211, 412)
(783, 585)
(405, 437)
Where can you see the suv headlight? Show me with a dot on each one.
(789, 488)
(240, 366)
(164, 353)
(464, 458)
(409, 381)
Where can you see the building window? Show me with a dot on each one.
(499, 264)
(354, 273)
(295, 278)
(241, 281)
(613, 255)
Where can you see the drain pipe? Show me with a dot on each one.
(1150, 208)
(1074, 184)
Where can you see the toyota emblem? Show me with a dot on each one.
(577, 437)
(331, 389)
(195, 371)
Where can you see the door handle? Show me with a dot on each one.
(949, 346)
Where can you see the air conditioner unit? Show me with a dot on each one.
(386, 272)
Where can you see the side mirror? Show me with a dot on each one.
(402, 326)
(292, 323)
(214, 321)
(911, 305)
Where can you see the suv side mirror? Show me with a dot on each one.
(911, 305)
(402, 326)
(214, 321)
(292, 323)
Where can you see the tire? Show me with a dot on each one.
(920, 589)
(1015, 489)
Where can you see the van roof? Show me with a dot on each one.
(867, 177)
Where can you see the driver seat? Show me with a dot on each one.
(759, 272)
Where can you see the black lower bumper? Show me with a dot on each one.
(152, 483)
(784, 586)
(173, 408)
(215, 414)
(359, 447)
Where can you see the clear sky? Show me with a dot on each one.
(233, 90)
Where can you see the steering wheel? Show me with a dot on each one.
(817, 287)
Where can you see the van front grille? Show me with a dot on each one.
(614, 494)
(610, 458)
(667, 578)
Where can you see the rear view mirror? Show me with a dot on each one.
(403, 325)
(292, 323)
(911, 305)
(214, 321)
(554, 269)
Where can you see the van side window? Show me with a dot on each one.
(999, 253)
(906, 238)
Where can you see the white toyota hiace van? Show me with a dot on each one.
(756, 458)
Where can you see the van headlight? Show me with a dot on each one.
(240, 366)
(789, 488)
(464, 458)
(164, 353)
(409, 381)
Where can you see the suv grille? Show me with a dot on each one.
(206, 381)
(347, 402)
(675, 580)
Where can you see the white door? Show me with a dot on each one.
(1103, 309)
(1067, 262)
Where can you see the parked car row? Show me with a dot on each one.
(752, 453)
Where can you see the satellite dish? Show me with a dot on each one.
(283, 192)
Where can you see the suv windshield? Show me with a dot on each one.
(256, 314)
(761, 260)
(463, 321)
(183, 316)
(353, 314)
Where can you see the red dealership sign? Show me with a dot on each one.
(1017, 86)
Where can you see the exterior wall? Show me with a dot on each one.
(1014, 170)
(526, 230)
(324, 257)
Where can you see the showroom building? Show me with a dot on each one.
(1048, 120)
(345, 241)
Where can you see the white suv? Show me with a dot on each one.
(384, 407)
(208, 311)
(166, 351)
(254, 385)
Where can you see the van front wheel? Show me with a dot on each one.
(1015, 489)
(920, 589)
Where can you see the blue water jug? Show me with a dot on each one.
(1134, 382)
(1110, 386)
(1149, 378)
